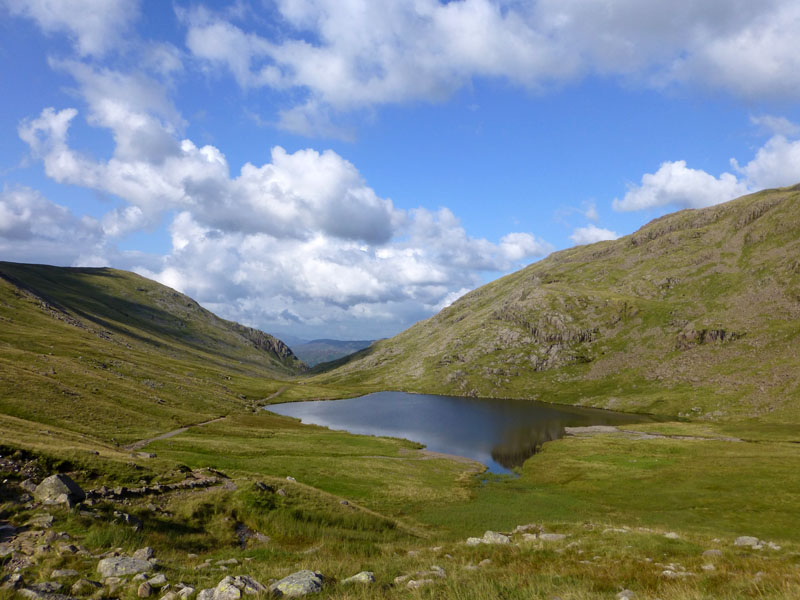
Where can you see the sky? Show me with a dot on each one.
(345, 168)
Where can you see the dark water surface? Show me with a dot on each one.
(498, 433)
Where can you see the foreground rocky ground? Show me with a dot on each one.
(42, 562)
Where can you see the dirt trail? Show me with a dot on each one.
(142, 443)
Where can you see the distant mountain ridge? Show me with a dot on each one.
(697, 313)
(314, 352)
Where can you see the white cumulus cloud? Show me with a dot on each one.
(591, 234)
(95, 26)
(32, 225)
(361, 53)
(776, 164)
(301, 239)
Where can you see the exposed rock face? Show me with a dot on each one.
(58, 489)
(297, 584)
(118, 566)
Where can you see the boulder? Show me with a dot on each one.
(490, 537)
(297, 584)
(415, 584)
(145, 590)
(125, 518)
(206, 594)
(249, 585)
(158, 581)
(28, 485)
(226, 590)
(713, 553)
(747, 540)
(59, 573)
(473, 541)
(145, 553)
(41, 521)
(58, 489)
(84, 587)
(362, 577)
(117, 566)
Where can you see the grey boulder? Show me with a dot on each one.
(362, 577)
(118, 566)
(58, 489)
(298, 584)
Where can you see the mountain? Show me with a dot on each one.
(113, 353)
(696, 314)
(314, 352)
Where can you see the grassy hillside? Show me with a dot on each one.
(117, 356)
(697, 313)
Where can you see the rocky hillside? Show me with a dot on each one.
(111, 353)
(697, 313)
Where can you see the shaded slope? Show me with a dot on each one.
(116, 355)
(697, 313)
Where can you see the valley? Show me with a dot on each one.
(695, 318)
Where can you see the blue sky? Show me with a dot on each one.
(332, 168)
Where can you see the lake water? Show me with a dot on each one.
(501, 434)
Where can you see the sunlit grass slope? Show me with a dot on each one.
(114, 355)
(695, 314)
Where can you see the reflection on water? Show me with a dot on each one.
(521, 443)
(501, 434)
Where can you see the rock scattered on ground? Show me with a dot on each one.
(59, 573)
(59, 489)
(362, 577)
(229, 588)
(122, 565)
(755, 543)
(297, 584)
(84, 587)
(415, 584)
(145, 590)
(490, 537)
(145, 553)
